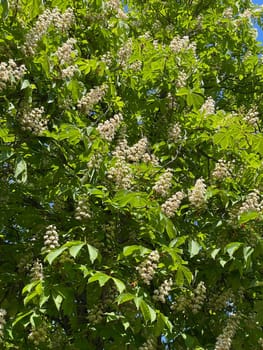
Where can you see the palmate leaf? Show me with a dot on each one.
(74, 248)
(55, 254)
(100, 277)
(124, 297)
(149, 314)
(93, 253)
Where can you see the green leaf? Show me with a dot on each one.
(123, 298)
(162, 323)
(215, 252)
(35, 10)
(30, 286)
(86, 272)
(247, 252)
(131, 249)
(183, 273)
(75, 249)
(57, 298)
(21, 316)
(5, 135)
(93, 253)
(5, 7)
(25, 84)
(54, 254)
(72, 244)
(5, 154)
(231, 248)
(35, 293)
(119, 284)
(74, 87)
(177, 242)
(134, 199)
(44, 297)
(69, 132)
(248, 216)
(101, 277)
(148, 313)
(170, 229)
(194, 248)
(223, 139)
(21, 170)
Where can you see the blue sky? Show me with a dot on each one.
(260, 31)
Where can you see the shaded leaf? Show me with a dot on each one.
(119, 284)
(54, 254)
(101, 277)
(75, 249)
(93, 253)
(123, 298)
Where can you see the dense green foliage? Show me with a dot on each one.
(131, 175)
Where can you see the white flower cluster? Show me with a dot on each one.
(175, 133)
(150, 344)
(10, 73)
(246, 14)
(219, 301)
(222, 169)
(228, 13)
(96, 314)
(252, 202)
(38, 336)
(82, 211)
(181, 80)
(156, 44)
(66, 53)
(92, 98)
(121, 149)
(69, 72)
(208, 108)
(181, 44)
(121, 174)
(60, 21)
(197, 195)
(112, 5)
(136, 66)
(171, 101)
(36, 272)
(150, 158)
(108, 129)
(125, 53)
(252, 117)
(172, 204)
(224, 340)
(95, 161)
(107, 59)
(164, 183)
(24, 263)
(2, 321)
(138, 150)
(51, 238)
(115, 6)
(260, 343)
(163, 291)
(181, 303)
(148, 267)
(33, 121)
(199, 297)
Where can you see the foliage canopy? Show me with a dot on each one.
(131, 175)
